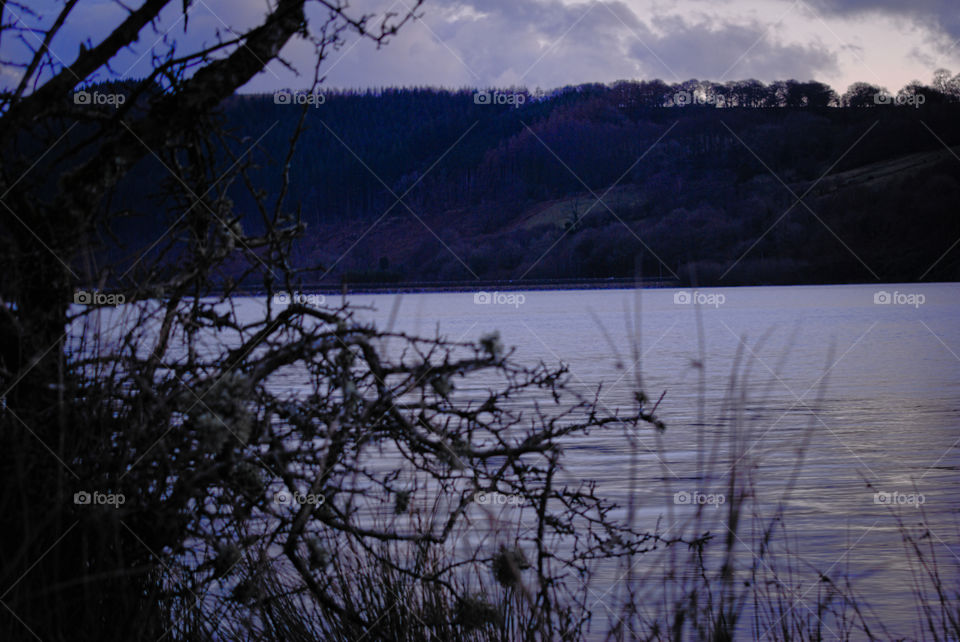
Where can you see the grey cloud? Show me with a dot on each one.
(728, 51)
(550, 43)
(938, 16)
(606, 41)
(545, 43)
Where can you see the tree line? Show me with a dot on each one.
(703, 162)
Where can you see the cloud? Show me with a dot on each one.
(551, 43)
(939, 17)
(548, 43)
(729, 51)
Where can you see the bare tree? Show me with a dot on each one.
(161, 474)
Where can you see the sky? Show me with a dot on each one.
(552, 43)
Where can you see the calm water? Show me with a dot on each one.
(868, 391)
(874, 386)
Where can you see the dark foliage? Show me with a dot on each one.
(424, 184)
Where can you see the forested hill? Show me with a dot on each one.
(751, 183)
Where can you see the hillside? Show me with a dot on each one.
(510, 191)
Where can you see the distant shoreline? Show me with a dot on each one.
(492, 287)
(618, 283)
(481, 286)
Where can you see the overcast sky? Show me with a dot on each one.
(550, 43)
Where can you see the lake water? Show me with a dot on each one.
(869, 374)
(862, 380)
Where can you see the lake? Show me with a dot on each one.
(838, 407)
(869, 374)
